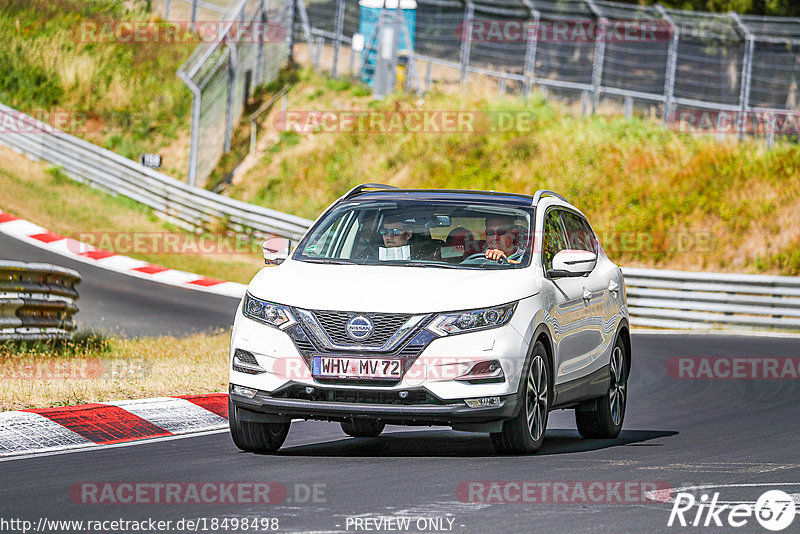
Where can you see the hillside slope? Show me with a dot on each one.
(656, 197)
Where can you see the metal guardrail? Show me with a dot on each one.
(37, 301)
(189, 207)
(693, 300)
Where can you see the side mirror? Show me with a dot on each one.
(570, 263)
(276, 250)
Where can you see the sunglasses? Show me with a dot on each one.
(497, 231)
(393, 231)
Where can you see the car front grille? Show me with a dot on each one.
(386, 325)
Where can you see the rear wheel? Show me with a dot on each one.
(525, 432)
(602, 417)
(255, 437)
(363, 429)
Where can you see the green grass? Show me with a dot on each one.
(656, 197)
(126, 93)
(46, 196)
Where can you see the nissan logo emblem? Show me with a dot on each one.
(359, 328)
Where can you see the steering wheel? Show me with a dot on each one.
(482, 256)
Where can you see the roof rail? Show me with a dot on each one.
(359, 188)
(545, 193)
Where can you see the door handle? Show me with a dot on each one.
(587, 295)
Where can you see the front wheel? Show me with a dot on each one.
(255, 437)
(602, 417)
(525, 432)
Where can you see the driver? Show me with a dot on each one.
(502, 239)
(394, 232)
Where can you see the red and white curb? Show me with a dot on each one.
(37, 236)
(92, 425)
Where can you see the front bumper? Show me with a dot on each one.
(267, 408)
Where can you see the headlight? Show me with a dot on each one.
(448, 324)
(267, 312)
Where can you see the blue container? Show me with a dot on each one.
(370, 12)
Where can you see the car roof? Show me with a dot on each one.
(443, 195)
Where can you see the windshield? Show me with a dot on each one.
(421, 233)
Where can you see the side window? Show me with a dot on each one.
(554, 239)
(579, 234)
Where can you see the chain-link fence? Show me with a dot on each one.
(715, 73)
(245, 48)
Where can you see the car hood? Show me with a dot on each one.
(390, 289)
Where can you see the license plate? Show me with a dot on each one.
(349, 367)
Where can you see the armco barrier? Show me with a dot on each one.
(678, 299)
(37, 301)
(190, 207)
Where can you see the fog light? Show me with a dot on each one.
(403, 394)
(483, 402)
(309, 390)
(244, 392)
(482, 372)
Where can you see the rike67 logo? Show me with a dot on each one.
(774, 510)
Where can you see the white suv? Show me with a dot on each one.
(482, 311)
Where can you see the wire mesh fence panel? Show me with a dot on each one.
(559, 55)
(249, 48)
(710, 58)
(637, 42)
(438, 29)
(498, 38)
(775, 79)
(213, 111)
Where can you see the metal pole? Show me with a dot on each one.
(290, 31)
(194, 15)
(530, 53)
(672, 65)
(337, 44)
(301, 7)
(771, 129)
(747, 69)
(264, 34)
(466, 39)
(628, 107)
(599, 55)
(232, 68)
(197, 101)
(167, 8)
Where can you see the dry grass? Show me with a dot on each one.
(656, 197)
(97, 370)
(66, 207)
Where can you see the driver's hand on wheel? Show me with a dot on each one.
(495, 254)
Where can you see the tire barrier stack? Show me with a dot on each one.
(37, 301)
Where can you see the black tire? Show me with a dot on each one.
(524, 433)
(256, 437)
(363, 429)
(603, 417)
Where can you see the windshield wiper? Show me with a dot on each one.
(331, 261)
(428, 265)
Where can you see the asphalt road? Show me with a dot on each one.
(129, 306)
(677, 432)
